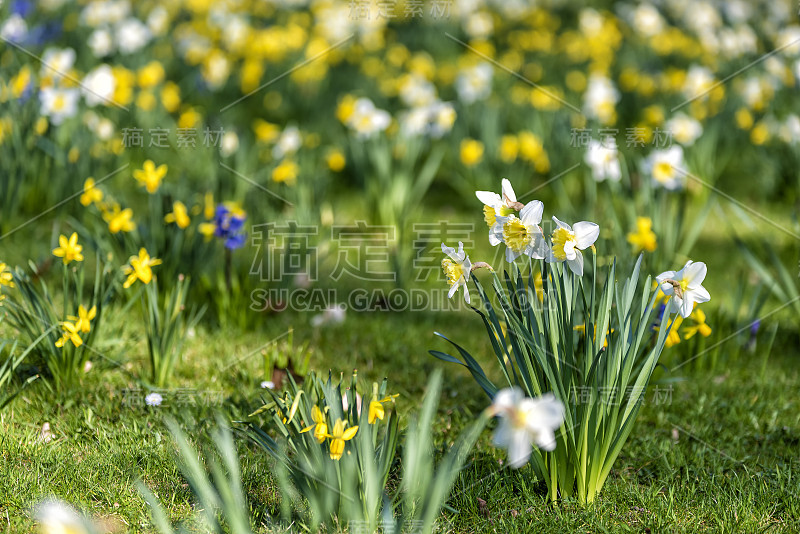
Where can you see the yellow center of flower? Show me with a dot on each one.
(684, 285)
(452, 270)
(560, 238)
(662, 171)
(516, 235)
(490, 215)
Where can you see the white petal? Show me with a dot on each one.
(508, 398)
(496, 235)
(466, 293)
(686, 306)
(511, 255)
(519, 449)
(452, 291)
(451, 252)
(694, 274)
(545, 411)
(460, 253)
(666, 275)
(586, 234)
(545, 439)
(561, 224)
(508, 192)
(532, 212)
(538, 248)
(502, 435)
(569, 249)
(699, 294)
(576, 265)
(489, 198)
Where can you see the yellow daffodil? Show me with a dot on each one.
(335, 160)
(91, 195)
(150, 176)
(320, 425)
(70, 334)
(68, 249)
(83, 321)
(119, 220)
(339, 436)
(699, 318)
(209, 208)
(286, 172)
(376, 409)
(643, 238)
(140, 268)
(6, 278)
(179, 215)
(471, 152)
(674, 337)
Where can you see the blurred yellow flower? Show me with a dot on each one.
(266, 132)
(90, 193)
(140, 268)
(68, 249)
(339, 436)
(699, 319)
(643, 238)
(150, 75)
(509, 148)
(335, 160)
(119, 221)
(179, 215)
(41, 125)
(190, 118)
(345, 108)
(171, 97)
(376, 409)
(209, 207)
(744, 119)
(6, 278)
(286, 172)
(146, 101)
(150, 176)
(73, 154)
(471, 152)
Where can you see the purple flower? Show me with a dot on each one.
(229, 222)
(23, 8)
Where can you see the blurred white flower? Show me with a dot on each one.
(101, 12)
(158, 20)
(57, 517)
(367, 120)
(600, 99)
(101, 42)
(267, 384)
(568, 242)
(56, 62)
(788, 41)
(288, 143)
(663, 165)
(647, 20)
(229, 144)
(789, 131)
(153, 399)
(474, 83)
(45, 434)
(98, 86)
(685, 287)
(524, 421)
(603, 159)
(58, 104)
(132, 35)
(433, 120)
(479, 25)
(416, 91)
(684, 129)
(698, 81)
(14, 29)
(332, 315)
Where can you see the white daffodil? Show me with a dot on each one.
(57, 62)
(663, 166)
(498, 206)
(367, 120)
(58, 104)
(57, 517)
(603, 159)
(685, 287)
(525, 421)
(522, 235)
(457, 268)
(568, 243)
(684, 129)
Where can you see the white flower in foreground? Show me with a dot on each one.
(58, 104)
(522, 235)
(663, 166)
(57, 517)
(524, 421)
(604, 161)
(457, 268)
(684, 129)
(496, 205)
(568, 242)
(154, 399)
(685, 287)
